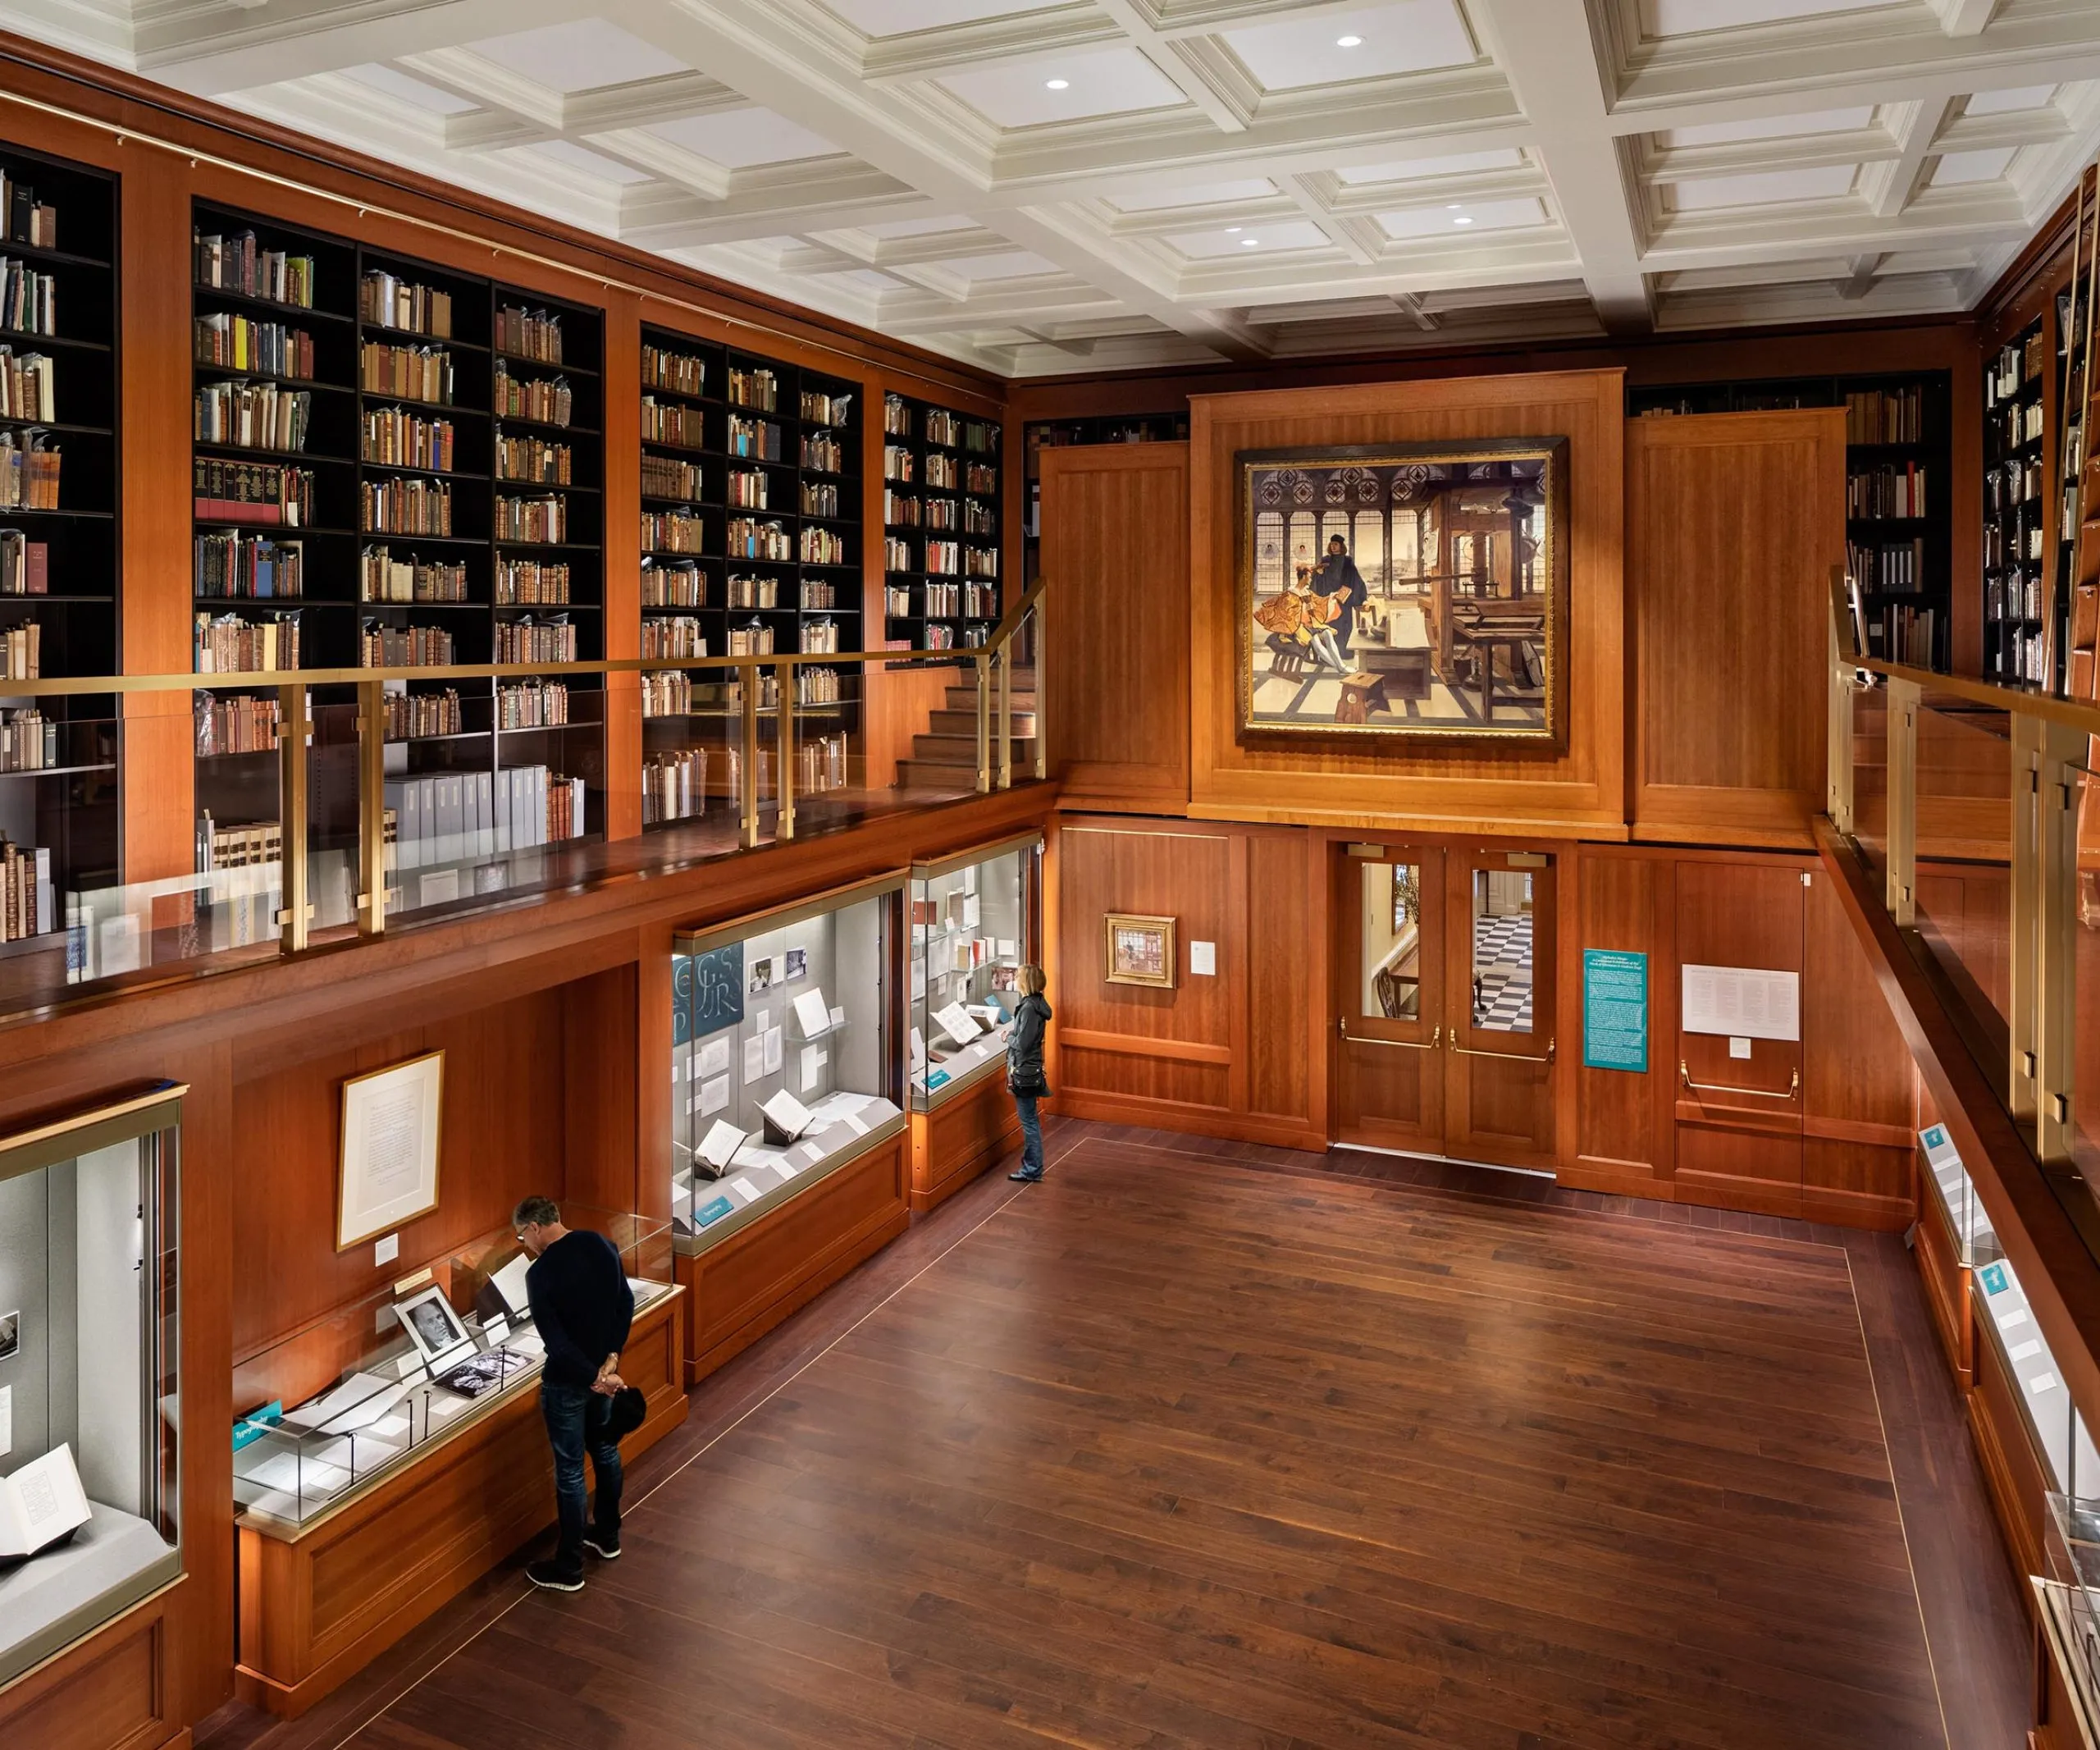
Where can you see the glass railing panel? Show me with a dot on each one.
(1869, 752)
(1963, 884)
(2085, 1091)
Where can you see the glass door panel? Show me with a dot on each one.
(1500, 1046)
(1389, 1080)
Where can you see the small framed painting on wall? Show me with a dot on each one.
(1140, 950)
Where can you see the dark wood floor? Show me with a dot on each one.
(1213, 1447)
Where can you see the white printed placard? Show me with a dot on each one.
(1742, 1001)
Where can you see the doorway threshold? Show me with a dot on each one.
(1442, 1160)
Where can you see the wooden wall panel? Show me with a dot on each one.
(599, 1085)
(1453, 788)
(1115, 549)
(1734, 521)
(623, 563)
(116, 1698)
(1619, 1121)
(1287, 978)
(1856, 1075)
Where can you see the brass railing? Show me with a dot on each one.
(990, 665)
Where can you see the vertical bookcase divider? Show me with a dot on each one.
(60, 501)
(397, 465)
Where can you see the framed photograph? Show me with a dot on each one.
(1403, 592)
(10, 1334)
(761, 976)
(1140, 950)
(798, 965)
(388, 1161)
(431, 1324)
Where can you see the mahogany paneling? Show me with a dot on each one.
(741, 1289)
(2012, 1468)
(315, 1609)
(116, 1698)
(1116, 548)
(1449, 787)
(1734, 521)
(599, 1090)
(1856, 1077)
(1948, 1289)
(622, 561)
(1620, 1128)
(1740, 914)
(960, 1138)
(1286, 1078)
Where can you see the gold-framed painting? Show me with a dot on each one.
(1392, 592)
(1139, 950)
(387, 1173)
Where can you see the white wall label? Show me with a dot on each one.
(1202, 959)
(385, 1249)
(1739, 1046)
(1743, 1001)
(7, 1419)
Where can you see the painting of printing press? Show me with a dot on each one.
(1392, 592)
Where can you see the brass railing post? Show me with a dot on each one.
(2023, 1064)
(1903, 697)
(1004, 725)
(2056, 940)
(984, 720)
(783, 818)
(371, 808)
(748, 678)
(1039, 650)
(297, 914)
(1837, 756)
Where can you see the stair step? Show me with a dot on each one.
(965, 699)
(956, 750)
(965, 722)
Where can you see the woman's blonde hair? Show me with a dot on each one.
(1029, 980)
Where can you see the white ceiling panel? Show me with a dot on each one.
(1338, 48)
(1054, 185)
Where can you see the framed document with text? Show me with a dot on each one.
(389, 1174)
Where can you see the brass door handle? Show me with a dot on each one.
(1514, 1057)
(1793, 1087)
(1399, 1045)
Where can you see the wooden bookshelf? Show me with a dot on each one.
(941, 518)
(751, 543)
(480, 491)
(1898, 485)
(58, 773)
(1039, 435)
(2016, 502)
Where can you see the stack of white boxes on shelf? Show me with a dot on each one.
(448, 818)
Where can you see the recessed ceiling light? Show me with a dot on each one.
(1250, 242)
(1455, 206)
(1462, 219)
(1056, 84)
(1234, 231)
(1348, 42)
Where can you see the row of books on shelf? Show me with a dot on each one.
(239, 724)
(532, 583)
(673, 531)
(21, 651)
(2018, 365)
(393, 302)
(240, 265)
(823, 452)
(414, 716)
(2021, 655)
(531, 705)
(819, 498)
(28, 902)
(241, 343)
(2018, 425)
(408, 506)
(415, 373)
(250, 845)
(2011, 484)
(534, 459)
(451, 817)
(942, 601)
(1893, 568)
(28, 221)
(901, 467)
(395, 437)
(269, 493)
(248, 568)
(251, 416)
(29, 298)
(682, 373)
(29, 740)
(821, 408)
(227, 644)
(941, 426)
(384, 646)
(1885, 416)
(821, 764)
(677, 638)
(1904, 634)
(544, 400)
(528, 640)
(754, 439)
(680, 584)
(969, 515)
(383, 577)
(668, 423)
(666, 477)
(745, 489)
(28, 387)
(674, 784)
(529, 334)
(25, 564)
(2014, 596)
(744, 538)
(543, 521)
(2021, 542)
(759, 389)
(244, 724)
(1889, 491)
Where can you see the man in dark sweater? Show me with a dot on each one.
(582, 1307)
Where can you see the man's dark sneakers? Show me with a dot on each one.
(604, 1545)
(555, 1577)
(1023, 1176)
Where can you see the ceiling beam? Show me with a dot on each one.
(1889, 186)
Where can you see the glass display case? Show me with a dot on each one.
(89, 1419)
(327, 1410)
(972, 928)
(782, 1067)
(2070, 1597)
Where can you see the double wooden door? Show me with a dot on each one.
(1444, 1001)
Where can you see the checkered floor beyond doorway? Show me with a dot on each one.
(1502, 973)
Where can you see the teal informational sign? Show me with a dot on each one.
(1614, 1010)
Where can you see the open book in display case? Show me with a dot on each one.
(972, 923)
(89, 1404)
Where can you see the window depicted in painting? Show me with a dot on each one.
(1404, 591)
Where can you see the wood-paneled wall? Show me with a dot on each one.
(1734, 524)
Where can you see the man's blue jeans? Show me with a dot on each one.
(1031, 1134)
(576, 1418)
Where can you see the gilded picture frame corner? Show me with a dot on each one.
(1161, 929)
(1548, 735)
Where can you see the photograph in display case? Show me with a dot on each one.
(972, 928)
(802, 1080)
(1140, 950)
(89, 1403)
(431, 1324)
(389, 1167)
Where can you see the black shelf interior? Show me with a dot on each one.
(68, 810)
(517, 492)
(941, 518)
(2016, 500)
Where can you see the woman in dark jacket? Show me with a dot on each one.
(1024, 1078)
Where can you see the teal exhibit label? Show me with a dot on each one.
(711, 1212)
(1993, 1278)
(1614, 1010)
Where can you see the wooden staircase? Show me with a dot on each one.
(945, 757)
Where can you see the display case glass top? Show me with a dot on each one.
(89, 1409)
(329, 1411)
(972, 920)
(783, 1065)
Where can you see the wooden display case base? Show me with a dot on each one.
(317, 1608)
(740, 1290)
(110, 1692)
(960, 1138)
(1948, 1286)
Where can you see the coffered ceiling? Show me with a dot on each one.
(1049, 185)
